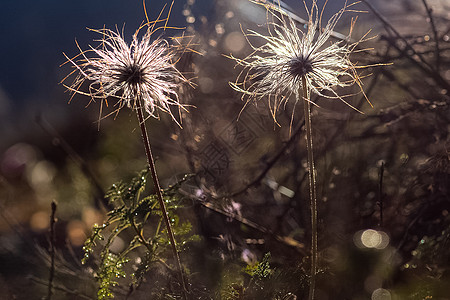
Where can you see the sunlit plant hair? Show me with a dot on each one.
(145, 68)
(290, 51)
(142, 76)
(300, 61)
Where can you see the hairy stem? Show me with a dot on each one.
(151, 165)
(312, 187)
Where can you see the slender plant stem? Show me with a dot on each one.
(151, 165)
(52, 251)
(312, 187)
(380, 194)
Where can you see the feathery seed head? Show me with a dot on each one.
(289, 52)
(144, 69)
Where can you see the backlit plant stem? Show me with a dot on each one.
(151, 165)
(312, 186)
(52, 251)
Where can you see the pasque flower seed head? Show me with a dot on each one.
(289, 52)
(144, 69)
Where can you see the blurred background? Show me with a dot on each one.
(383, 177)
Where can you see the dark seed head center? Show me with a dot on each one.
(132, 74)
(299, 66)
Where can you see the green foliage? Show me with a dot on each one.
(90, 243)
(260, 270)
(131, 215)
(261, 281)
(110, 269)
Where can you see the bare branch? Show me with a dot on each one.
(435, 33)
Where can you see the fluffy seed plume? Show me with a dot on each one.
(144, 69)
(290, 52)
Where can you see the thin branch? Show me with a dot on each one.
(422, 64)
(288, 241)
(399, 36)
(284, 9)
(435, 33)
(430, 72)
(406, 87)
(269, 164)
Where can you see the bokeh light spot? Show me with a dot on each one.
(190, 19)
(42, 174)
(229, 14)
(91, 216)
(17, 158)
(76, 233)
(381, 294)
(206, 84)
(220, 29)
(371, 239)
(39, 221)
(235, 41)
